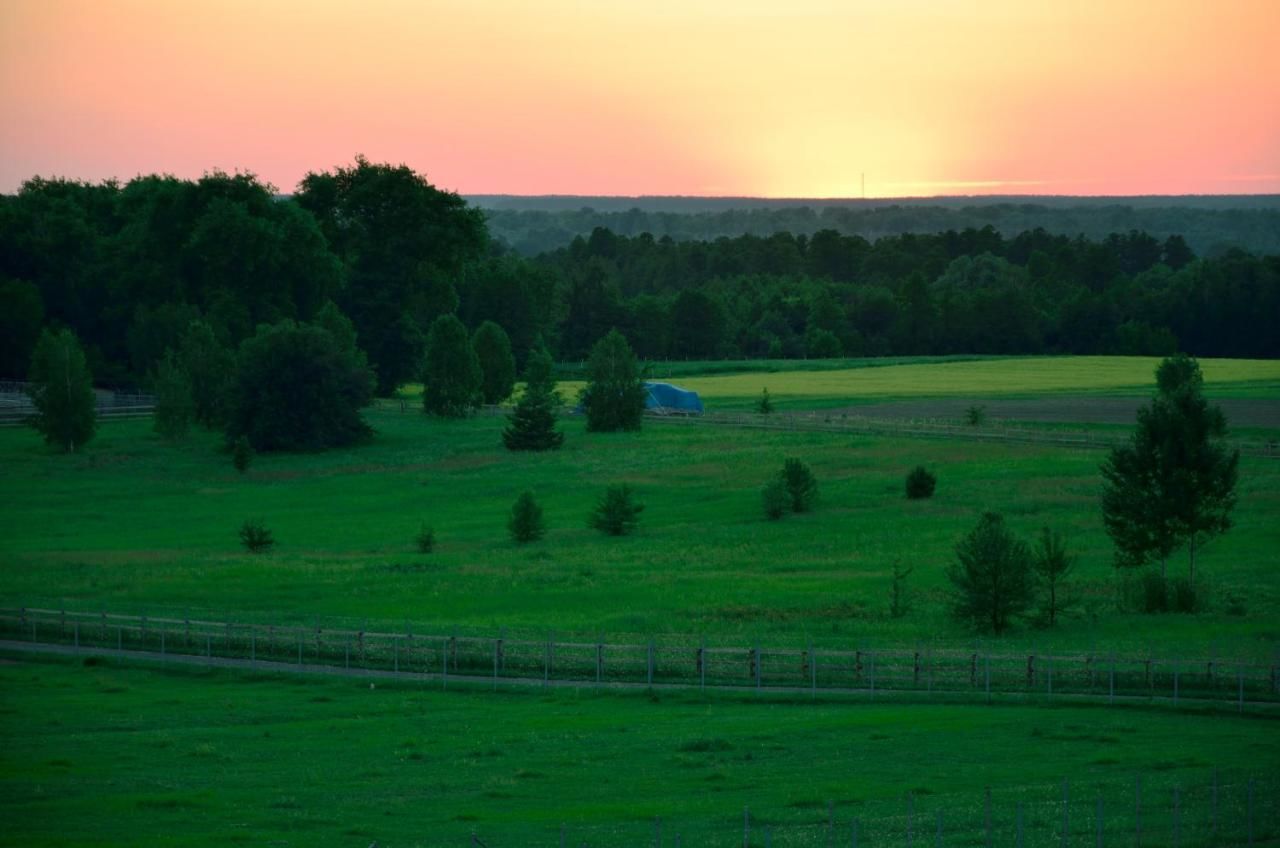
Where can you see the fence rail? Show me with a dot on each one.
(671, 661)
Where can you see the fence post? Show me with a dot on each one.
(650, 670)
(1049, 674)
(1019, 842)
(1177, 829)
(911, 815)
(937, 839)
(746, 827)
(986, 662)
(1249, 812)
(813, 672)
(546, 666)
(831, 824)
(299, 647)
(496, 643)
(1098, 823)
(77, 626)
(1111, 682)
(208, 649)
(702, 664)
(1175, 684)
(758, 670)
(1240, 682)
(444, 664)
(253, 646)
(395, 655)
(119, 637)
(853, 834)
(1213, 810)
(657, 827)
(162, 645)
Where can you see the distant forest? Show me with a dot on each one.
(129, 268)
(1211, 225)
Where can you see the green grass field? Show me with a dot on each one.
(111, 755)
(117, 755)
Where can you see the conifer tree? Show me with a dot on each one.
(532, 424)
(614, 395)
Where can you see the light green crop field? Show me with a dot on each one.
(111, 755)
(979, 378)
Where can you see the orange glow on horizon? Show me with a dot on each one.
(661, 97)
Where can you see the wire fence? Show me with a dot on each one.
(16, 407)
(1200, 808)
(507, 658)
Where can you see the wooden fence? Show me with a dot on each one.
(965, 674)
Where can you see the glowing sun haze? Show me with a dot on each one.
(741, 97)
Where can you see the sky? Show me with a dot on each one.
(793, 98)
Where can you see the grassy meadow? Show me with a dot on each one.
(134, 524)
(112, 755)
(96, 752)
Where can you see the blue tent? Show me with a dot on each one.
(666, 399)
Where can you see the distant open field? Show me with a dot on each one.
(111, 755)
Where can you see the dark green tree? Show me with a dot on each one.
(616, 513)
(21, 317)
(1052, 563)
(1174, 482)
(800, 484)
(525, 523)
(241, 454)
(451, 377)
(211, 368)
(992, 575)
(532, 424)
(774, 499)
(298, 389)
(764, 405)
(497, 364)
(175, 409)
(920, 483)
(61, 389)
(614, 395)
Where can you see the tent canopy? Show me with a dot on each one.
(664, 398)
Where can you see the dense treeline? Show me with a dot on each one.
(129, 267)
(972, 291)
(1209, 230)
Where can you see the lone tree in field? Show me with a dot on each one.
(61, 389)
(992, 575)
(298, 389)
(774, 499)
(1052, 563)
(764, 405)
(532, 425)
(451, 378)
(920, 483)
(614, 394)
(616, 513)
(799, 482)
(1174, 482)
(525, 524)
(497, 365)
(175, 408)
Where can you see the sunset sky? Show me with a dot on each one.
(700, 97)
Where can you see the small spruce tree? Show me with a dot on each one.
(526, 524)
(920, 483)
(616, 513)
(241, 454)
(764, 405)
(255, 536)
(532, 424)
(802, 488)
(614, 395)
(774, 499)
(992, 575)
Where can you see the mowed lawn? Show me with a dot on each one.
(133, 524)
(105, 755)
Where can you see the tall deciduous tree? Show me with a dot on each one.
(298, 389)
(1052, 563)
(175, 408)
(1173, 483)
(532, 424)
(614, 395)
(991, 575)
(497, 364)
(451, 378)
(61, 389)
(211, 368)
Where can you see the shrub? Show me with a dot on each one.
(802, 488)
(920, 483)
(975, 416)
(764, 405)
(616, 514)
(425, 540)
(775, 499)
(255, 536)
(1186, 595)
(525, 524)
(241, 454)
